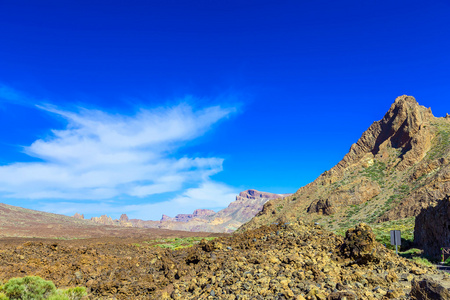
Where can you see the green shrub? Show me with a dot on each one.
(36, 288)
(422, 261)
(58, 297)
(376, 172)
(178, 243)
(441, 142)
(29, 288)
(411, 253)
(447, 262)
(75, 293)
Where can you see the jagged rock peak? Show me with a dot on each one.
(406, 114)
(123, 218)
(166, 218)
(399, 126)
(254, 194)
(78, 216)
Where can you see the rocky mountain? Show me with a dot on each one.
(400, 165)
(247, 204)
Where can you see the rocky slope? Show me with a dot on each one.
(247, 204)
(400, 165)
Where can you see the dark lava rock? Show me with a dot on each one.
(427, 288)
(359, 244)
(432, 228)
(342, 295)
(302, 261)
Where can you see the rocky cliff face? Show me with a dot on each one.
(245, 207)
(399, 166)
(432, 228)
(198, 213)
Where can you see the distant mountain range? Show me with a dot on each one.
(247, 204)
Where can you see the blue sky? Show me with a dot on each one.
(151, 107)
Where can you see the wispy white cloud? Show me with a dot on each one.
(101, 156)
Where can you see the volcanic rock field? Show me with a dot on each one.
(281, 261)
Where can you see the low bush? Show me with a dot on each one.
(36, 288)
(30, 287)
(447, 263)
(75, 293)
(423, 261)
(178, 243)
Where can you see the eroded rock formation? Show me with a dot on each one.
(78, 216)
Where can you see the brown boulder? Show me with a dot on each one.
(359, 244)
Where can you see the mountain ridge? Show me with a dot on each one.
(399, 165)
